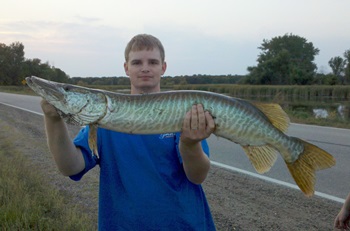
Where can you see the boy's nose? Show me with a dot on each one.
(145, 68)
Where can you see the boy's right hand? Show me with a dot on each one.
(49, 110)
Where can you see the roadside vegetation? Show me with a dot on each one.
(27, 201)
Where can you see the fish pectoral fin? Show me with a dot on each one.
(275, 114)
(93, 140)
(310, 160)
(261, 157)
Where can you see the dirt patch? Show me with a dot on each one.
(237, 201)
(240, 202)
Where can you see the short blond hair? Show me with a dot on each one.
(144, 41)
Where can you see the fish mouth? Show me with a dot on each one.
(45, 88)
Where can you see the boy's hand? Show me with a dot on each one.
(198, 125)
(49, 110)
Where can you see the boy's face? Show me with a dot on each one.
(145, 69)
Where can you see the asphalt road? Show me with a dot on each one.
(331, 183)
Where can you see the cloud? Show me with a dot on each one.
(75, 47)
(200, 37)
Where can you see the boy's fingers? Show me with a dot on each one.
(210, 122)
(194, 118)
(187, 120)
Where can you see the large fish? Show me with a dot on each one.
(258, 127)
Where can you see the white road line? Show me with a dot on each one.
(23, 109)
(231, 168)
(323, 195)
(317, 126)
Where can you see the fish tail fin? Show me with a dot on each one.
(310, 160)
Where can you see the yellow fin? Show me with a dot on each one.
(93, 140)
(275, 114)
(261, 157)
(310, 160)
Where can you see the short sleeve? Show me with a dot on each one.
(82, 141)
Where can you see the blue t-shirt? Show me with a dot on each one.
(142, 183)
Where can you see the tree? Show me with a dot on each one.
(32, 67)
(347, 66)
(3, 75)
(284, 59)
(338, 66)
(11, 59)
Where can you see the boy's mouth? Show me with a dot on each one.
(145, 77)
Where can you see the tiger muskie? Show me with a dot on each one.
(258, 127)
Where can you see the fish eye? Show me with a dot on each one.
(66, 88)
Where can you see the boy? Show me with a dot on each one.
(147, 182)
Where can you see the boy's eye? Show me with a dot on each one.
(150, 62)
(136, 62)
(154, 62)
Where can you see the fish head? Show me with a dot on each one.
(77, 105)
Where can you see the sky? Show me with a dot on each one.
(88, 38)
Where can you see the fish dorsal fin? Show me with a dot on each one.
(93, 140)
(261, 157)
(275, 114)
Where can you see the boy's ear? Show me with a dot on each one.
(126, 68)
(164, 66)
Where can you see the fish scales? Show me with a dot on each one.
(259, 128)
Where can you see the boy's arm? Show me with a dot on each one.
(68, 158)
(198, 125)
(343, 218)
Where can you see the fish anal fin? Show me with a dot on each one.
(93, 140)
(274, 112)
(310, 160)
(261, 157)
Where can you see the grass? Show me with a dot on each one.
(27, 200)
(25, 90)
(266, 92)
(305, 118)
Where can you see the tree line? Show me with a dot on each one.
(165, 81)
(14, 67)
(284, 60)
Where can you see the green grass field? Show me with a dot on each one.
(27, 201)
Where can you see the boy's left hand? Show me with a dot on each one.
(198, 125)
